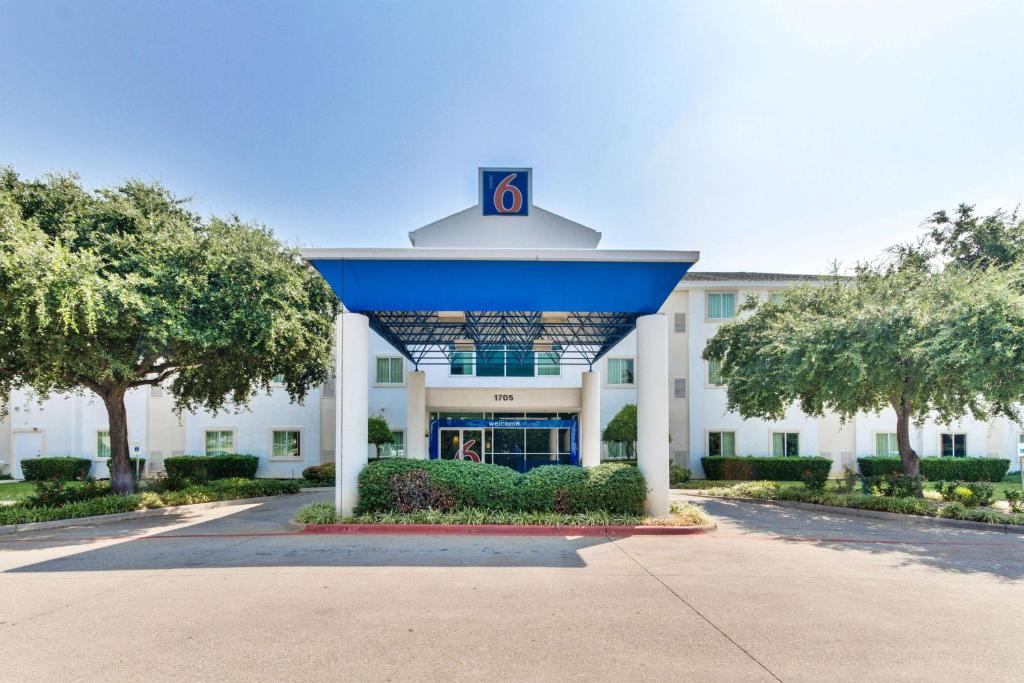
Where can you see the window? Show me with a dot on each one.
(219, 442)
(287, 443)
(885, 445)
(785, 444)
(715, 373)
(617, 450)
(722, 443)
(395, 449)
(721, 305)
(103, 444)
(462, 363)
(775, 297)
(549, 362)
(680, 323)
(390, 370)
(620, 371)
(679, 387)
(954, 445)
(277, 379)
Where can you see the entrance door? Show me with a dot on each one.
(462, 444)
(26, 445)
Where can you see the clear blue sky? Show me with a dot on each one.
(773, 137)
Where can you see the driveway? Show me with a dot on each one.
(774, 594)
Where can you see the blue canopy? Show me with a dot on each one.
(503, 294)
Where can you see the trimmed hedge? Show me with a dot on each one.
(199, 468)
(758, 468)
(612, 487)
(56, 468)
(940, 469)
(320, 475)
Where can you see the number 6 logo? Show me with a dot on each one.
(506, 187)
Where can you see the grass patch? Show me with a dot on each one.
(223, 489)
(323, 513)
(18, 490)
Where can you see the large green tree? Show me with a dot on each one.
(622, 429)
(900, 334)
(126, 287)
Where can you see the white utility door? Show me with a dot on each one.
(26, 445)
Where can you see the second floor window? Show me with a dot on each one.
(620, 371)
(390, 370)
(721, 305)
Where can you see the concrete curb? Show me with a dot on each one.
(876, 514)
(499, 530)
(134, 514)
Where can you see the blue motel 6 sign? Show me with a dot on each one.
(505, 191)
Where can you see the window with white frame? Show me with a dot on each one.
(785, 444)
(721, 305)
(395, 449)
(103, 443)
(220, 441)
(390, 370)
(954, 445)
(620, 371)
(715, 373)
(722, 443)
(286, 443)
(886, 445)
(616, 450)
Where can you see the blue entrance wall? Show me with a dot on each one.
(513, 423)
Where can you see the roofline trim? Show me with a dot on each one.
(491, 254)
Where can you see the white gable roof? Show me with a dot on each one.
(540, 229)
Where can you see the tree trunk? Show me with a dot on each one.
(122, 477)
(908, 457)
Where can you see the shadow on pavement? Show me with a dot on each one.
(963, 551)
(257, 536)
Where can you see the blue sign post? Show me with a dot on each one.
(505, 191)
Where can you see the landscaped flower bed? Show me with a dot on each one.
(94, 498)
(771, 490)
(682, 514)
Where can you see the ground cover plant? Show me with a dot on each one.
(396, 485)
(682, 514)
(910, 505)
(95, 499)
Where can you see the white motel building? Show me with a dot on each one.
(503, 334)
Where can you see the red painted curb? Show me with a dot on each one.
(499, 530)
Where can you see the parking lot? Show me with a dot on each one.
(233, 593)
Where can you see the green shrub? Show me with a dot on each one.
(941, 469)
(316, 513)
(678, 475)
(814, 479)
(231, 489)
(893, 485)
(60, 468)
(969, 493)
(319, 475)
(56, 493)
(107, 505)
(611, 487)
(1015, 497)
(200, 468)
(758, 468)
(764, 490)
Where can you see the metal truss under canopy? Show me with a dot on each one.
(427, 338)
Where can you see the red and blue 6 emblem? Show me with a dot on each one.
(505, 192)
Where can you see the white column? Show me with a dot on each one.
(590, 419)
(353, 408)
(652, 447)
(416, 415)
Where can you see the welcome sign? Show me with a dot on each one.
(505, 191)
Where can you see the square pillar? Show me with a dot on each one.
(416, 415)
(652, 446)
(352, 407)
(590, 419)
